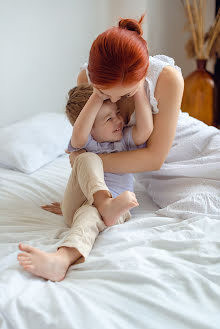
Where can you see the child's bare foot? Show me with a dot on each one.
(111, 209)
(54, 207)
(50, 266)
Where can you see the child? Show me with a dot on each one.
(93, 201)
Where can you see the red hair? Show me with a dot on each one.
(119, 55)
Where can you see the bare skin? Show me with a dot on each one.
(111, 209)
(50, 266)
(54, 207)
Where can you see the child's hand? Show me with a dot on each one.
(140, 92)
(100, 94)
(74, 155)
(141, 86)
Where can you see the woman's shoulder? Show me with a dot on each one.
(82, 77)
(170, 74)
(169, 78)
(162, 69)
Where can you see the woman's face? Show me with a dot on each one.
(118, 91)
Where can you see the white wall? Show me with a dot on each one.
(127, 9)
(44, 42)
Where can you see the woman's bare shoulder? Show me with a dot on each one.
(169, 79)
(82, 77)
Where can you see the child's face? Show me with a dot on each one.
(108, 124)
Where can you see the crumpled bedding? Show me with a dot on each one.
(154, 271)
(188, 183)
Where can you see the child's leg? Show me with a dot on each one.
(87, 169)
(90, 177)
(87, 223)
(86, 178)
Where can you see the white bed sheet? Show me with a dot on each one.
(152, 272)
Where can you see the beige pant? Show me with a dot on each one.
(84, 220)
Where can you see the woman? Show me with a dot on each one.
(182, 175)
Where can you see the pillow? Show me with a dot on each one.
(30, 144)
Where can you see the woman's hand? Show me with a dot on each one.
(54, 207)
(74, 155)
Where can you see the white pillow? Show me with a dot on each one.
(29, 144)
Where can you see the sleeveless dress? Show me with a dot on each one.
(188, 183)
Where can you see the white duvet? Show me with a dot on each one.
(152, 272)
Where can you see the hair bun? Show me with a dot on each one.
(132, 24)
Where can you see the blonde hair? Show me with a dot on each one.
(78, 97)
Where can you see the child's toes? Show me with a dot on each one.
(24, 247)
(22, 255)
(25, 262)
(29, 268)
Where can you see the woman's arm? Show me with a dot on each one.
(143, 128)
(168, 92)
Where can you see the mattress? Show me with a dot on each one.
(152, 272)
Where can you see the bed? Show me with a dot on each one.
(152, 272)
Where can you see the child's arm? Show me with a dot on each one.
(144, 119)
(84, 122)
